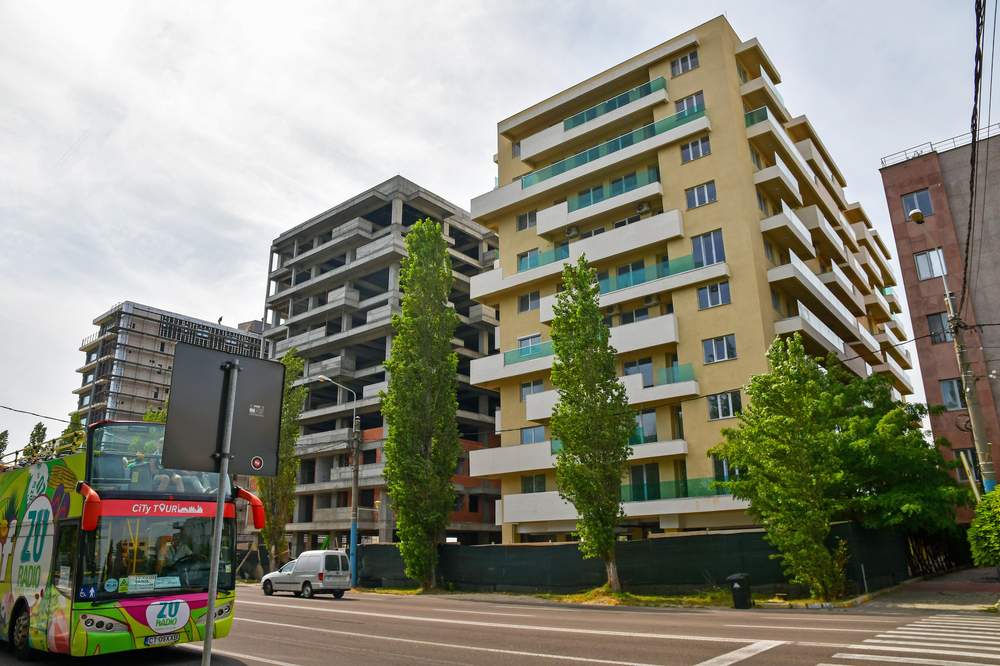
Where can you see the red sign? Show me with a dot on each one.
(119, 507)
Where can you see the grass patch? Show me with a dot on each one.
(603, 596)
(990, 609)
(406, 591)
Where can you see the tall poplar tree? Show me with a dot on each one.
(278, 493)
(4, 436)
(591, 417)
(420, 406)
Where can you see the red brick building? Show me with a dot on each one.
(935, 179)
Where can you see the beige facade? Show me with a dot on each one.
(686, 182)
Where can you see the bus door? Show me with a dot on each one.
(64, 568)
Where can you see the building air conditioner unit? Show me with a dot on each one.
(643, 207)
(651, 300)
(612, 310)
(571, 232)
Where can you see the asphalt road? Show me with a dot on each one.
(283, 630)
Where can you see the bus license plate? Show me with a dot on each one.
(165, 639)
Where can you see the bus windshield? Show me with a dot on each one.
(126, 457)
(134, 556)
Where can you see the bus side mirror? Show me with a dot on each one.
(256, 507)
(91, 507)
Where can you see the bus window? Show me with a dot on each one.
(65, 561)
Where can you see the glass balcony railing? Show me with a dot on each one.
(771, 86)
(807, 316)
(542, 259)
(527, 353)
(666, 490)
(616, 188)
(887, 291)
(555, 446)
(679, 373)
(640, 437)
(613, 146)
(660, 270)
(756, 116)
(614, 103)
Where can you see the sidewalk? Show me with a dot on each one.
(966, 590)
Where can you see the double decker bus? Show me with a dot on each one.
(104, 550)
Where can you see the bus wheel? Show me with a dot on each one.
(22, 647)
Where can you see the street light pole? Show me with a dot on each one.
(355, 452)
(965, 368)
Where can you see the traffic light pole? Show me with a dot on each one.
(965, 368)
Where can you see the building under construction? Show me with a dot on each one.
(128, 360)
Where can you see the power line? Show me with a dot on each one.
(974, 152)
(41, 416)
(986, 179)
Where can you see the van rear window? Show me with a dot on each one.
(331, 563)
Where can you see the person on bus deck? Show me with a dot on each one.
(163, 478)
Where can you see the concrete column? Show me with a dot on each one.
(484, 342)
(295, 248)
(385, 522)
(397, 212)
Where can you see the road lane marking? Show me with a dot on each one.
(929, 644)
(960, 621)
(822, 618)
(455, 610)
(889, 648)
(764, 626)
(962, 629)
(499, 625)
(741, 654)
(905, 660)
(236, 655)
(942, 634)
(515, 653)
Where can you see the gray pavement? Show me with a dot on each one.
(895, 629)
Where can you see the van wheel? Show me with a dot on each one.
(22, 647)
(338, 594)
(307, 590)
(268, 588)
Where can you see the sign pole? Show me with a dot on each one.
(232, 368)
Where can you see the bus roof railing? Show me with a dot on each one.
(59, 447)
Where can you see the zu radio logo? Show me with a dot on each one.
(165, 617)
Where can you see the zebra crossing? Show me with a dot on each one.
(939, 640)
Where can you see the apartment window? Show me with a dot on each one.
(918, 201)
(719, 349)
(695, 149)
(940, 328)
(530, 388)
(369, 457)
(639, 314)
(929, 266)
(527, 220)
(755, 158)
(533, 435)
(591, 195)
(701, 195)
(644, 367)
(712, 295)
(708, 249)
(645, 427)
(769, 252)
(775, 301)
(85, 401)
(515, 149)
(762, 204)
(591, 232)
(645, 482)
(627, 221)
(740, 72)
(527, 302)
(156, 394)
(527, 260)
(723, 472)
(623, 184)
(684, 63)
(529, 345)
(952, 394)
(534, 483)
(690, 103)
(162, 346)
(724, 405)
(631, 274)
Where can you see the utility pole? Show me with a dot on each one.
(965, 368)
(356, 443)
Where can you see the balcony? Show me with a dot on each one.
(606, 115)
(808, 149)
(799, 281)
(900, 380)
(332, 367)
(593, 164)
(541, 456)
(779, 181)
(483, 316)
(645, 233)
(624, 195)
(823, 233)
(528, 353)
(344, 237)
(891, 346)
(671, 384)
(867, 346)
(895, 326)
(844, 289)
(877, 306)
(786, 230)
(894, 305)
(545, 507)
(761, 92)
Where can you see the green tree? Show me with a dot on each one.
(984, 533)
(420, 406)
(35, 439)
(278, 493)
(75, 425)
(4, 437)
(591, 417)
(154, 415)
(818, 444)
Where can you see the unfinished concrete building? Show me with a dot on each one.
(129, 359)
(333, 286)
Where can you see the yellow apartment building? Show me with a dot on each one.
(716, 220)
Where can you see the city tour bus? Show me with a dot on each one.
(104, 550)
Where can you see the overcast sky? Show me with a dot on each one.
(151, 151)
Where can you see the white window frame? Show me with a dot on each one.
(533, 303)
(592, 232)
(530, 219)
(685, 63)
(717, 296)
(954, 386)
(700, 195)
(722, 343)
(532, 433)
(700, 146)
(911, 201)
(724, 405)
(707, 242)
(925, 262)
(532, 387)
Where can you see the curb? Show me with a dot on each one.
(850, 603)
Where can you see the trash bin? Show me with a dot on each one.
(739, 585)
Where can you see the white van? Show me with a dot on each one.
(315, 572)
